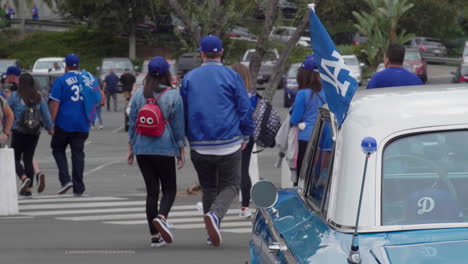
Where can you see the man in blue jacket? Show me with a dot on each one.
(219, 123)
(111, 87)
(73, 97)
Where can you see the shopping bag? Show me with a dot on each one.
(8, 195)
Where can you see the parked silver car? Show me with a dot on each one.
(354, 66)
(428, 46)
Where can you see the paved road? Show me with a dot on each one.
(109, 226)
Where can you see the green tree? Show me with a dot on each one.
(119, 16)
(380, 25)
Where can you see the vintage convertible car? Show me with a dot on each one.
(415, 199)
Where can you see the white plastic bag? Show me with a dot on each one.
(8, 195)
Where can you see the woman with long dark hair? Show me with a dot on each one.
(309, 98)
(156, 155)
(246, 183)
(29, 108)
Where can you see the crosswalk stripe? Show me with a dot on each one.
(71, 199)
(237, 230)
(134, 216)
(88, 211)
(230, 224)
(78, 205)
(39, 196)
(104, 210)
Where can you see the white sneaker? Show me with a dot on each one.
(245, 213)
(199, 207)
(100, 127)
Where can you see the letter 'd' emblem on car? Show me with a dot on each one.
(426, 205)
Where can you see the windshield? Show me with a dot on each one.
(293, 71)
(425, 178)
(269, 56)
(4, 64)
(117, 64)
(412, 55)
(45, 65)
(432, 42)
(351, 61)
(464, 71)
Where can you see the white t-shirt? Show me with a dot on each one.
(219, 151)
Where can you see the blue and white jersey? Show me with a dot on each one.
(35, 13)
(71, 116)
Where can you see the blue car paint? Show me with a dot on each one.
(312, 241)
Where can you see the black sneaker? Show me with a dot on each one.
(24, 185)
(65, 188)
(157, 242)
(25, 194)
(161, 225)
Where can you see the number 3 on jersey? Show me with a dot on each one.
(76, 93)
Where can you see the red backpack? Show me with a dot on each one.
(150, 120)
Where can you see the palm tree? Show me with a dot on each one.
(393, 10)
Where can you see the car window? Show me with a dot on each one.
(4, 64)
(465, 51)
(43, 65)
(292, 72)
(269, 56)
(351, 61)
(418, 41)
(121, 65)
(432, 42)
(319, 174)
(425, 178)
(464, 71)
(412, 55)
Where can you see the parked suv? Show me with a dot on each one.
(428, 46)
(266, 68)
(188, 62)
(46, 65)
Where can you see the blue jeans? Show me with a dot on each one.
(99, 114)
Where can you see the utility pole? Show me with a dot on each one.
(132, 33)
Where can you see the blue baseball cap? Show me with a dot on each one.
(210, 44)
(72, 60)
(13, 70)
(158, 66)
(310, 64)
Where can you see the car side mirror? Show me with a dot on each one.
(264, 194)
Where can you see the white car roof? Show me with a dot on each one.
(51, 59)
(385, 113)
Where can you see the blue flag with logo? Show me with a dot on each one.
(337, 83)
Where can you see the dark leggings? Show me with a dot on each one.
(300, 156)
(24, 147)
(246, 183)
(158, 170)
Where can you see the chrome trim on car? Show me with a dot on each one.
(288, 255)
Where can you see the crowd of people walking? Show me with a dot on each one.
(215, 110)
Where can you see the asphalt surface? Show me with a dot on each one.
(108, 225)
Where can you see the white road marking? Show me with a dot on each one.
(45, 197)
(237, 230)
(102, 166)
(118, 129)
(171, 220)
(135, 216)
(230, 224)
(15, 217)
(71, 199)
(31, 209)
